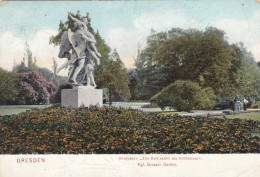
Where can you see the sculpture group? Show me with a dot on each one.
(80, 50)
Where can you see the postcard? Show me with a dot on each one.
(130, 88)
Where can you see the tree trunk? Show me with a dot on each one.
(110, 95)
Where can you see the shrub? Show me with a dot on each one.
(35, 89)
(57, 80)
(256, 105)
(228, 112)
(225, 104)
(56, 98)
(185, 96)
(8, 87)
(25, 88)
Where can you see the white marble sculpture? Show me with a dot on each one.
(78, 48)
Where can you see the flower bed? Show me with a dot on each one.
(58, 130)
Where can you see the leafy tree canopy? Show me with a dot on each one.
(8, 87)
(113, 75)
(204, 57)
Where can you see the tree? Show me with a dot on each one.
(204, 57)
(185, 96)
(56, 79)
(248, 76)
(9, 89)
(50, 76)
(149, 72)
(258, 64)
(113, 76)
(132, 83)
(25, 88)
(28, 63)
(55, 65)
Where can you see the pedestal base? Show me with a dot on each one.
(82, 96)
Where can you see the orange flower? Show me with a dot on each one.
(56, 133)
(221, 149)
(200, 147)
(88, 146)
(44, 133)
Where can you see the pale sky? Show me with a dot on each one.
(123, 24)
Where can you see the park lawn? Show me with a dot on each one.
(172, 113)
(10, 111)
(168, 111)
(113, 130)
(249, 116)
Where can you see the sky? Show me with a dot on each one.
(123, 24)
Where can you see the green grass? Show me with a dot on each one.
(248, 116)
(10, 111)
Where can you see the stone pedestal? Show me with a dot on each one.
(81, 96)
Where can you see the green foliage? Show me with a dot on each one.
(58, 80)
(24, 88)
(58, 130)
(248, 77)
(133, 83)
(200, 56)
(56, 98)
(150, 79)
(256, 105)
(55, 66)
(185, 96)
(9, 89)
(113, 76)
